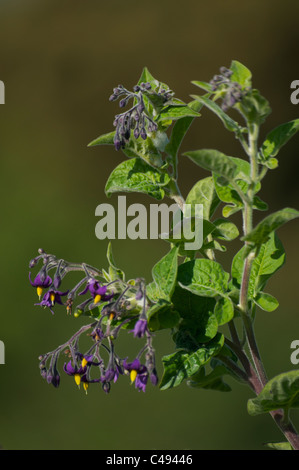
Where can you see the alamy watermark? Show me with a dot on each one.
(295, 94)
(186, 225)
(2, 353)
(2, 92)
(295, 354)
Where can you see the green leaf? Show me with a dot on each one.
(203, 192)
(271, 163)
(215, 161)
(153, 100)
(203, 277)
(146, 76)
(161, 316)
(199, 323)
(225, 230)
(224, 310)
(204, 85)
(212, 381)
(261, 232)
(270, 258)
(228, 192)
(259, 205)
(266, 302)
(164, 274)
(229, 210)
(254, 107)
(182, 364)
(228, 122)
(279, 445)
(278, 137)
(172, 113)
(114, 272)
(212, 245)
(177, 237)
(148, 150)
(241, 74)
(137, 176)
(280, 392)
(180, 129)
(105, 139)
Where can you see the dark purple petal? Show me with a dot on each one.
(84, 290)
(140, 328)
(141, 381)
(69, 369)
(106, 297)
(96, 289)
(135, 365)
(38, 281)
(109, 375)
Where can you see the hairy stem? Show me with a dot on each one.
(175, 194)
(259, 380)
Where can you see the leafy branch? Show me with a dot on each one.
(190, 293)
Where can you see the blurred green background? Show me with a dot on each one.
(59, 62)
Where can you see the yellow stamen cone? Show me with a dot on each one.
(97, 299)
(77, 378)
(111, 316)
(52, 298)
(84, 362)
(39, 291)
(85, 386)
(133, 375)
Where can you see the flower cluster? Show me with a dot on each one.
(137, 118)
(231, 92)
(113, 306)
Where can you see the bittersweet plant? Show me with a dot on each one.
(190, 293)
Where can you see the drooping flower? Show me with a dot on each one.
(138, 373)
(51, 298)
(140, 328)
(40, 282)
(97, 291)
(75, 371)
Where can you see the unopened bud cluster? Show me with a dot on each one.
(137, 119)
(232, 91)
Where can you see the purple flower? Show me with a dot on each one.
(75, 371)
(138, 373)
(80, 373)
(141, 380)
(140, 328)
(72, 370)
(110, 374)
(51, 298)
(98, 292)
(40, 283)
(86, 381)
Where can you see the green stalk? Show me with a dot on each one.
(282, 421)
(247, 227)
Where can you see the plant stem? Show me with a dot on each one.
(175, 194)
(286, 428)
(259, 380)
(254, 349)
(253, 379)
